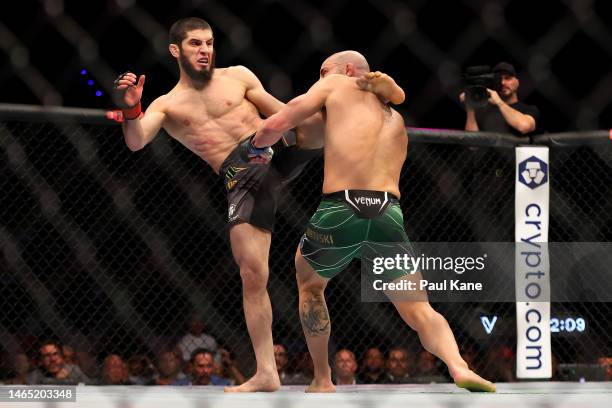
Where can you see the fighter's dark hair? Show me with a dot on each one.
(179, 30)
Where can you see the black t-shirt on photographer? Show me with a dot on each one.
(490, 119)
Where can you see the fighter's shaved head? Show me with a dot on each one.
(343, 58)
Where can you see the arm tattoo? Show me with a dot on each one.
(315, 319)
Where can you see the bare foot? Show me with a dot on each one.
(382, 85)
(258, 383)
(465, 378)
(321, 386)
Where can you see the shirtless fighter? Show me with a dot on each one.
(365, 148)
(211, 111)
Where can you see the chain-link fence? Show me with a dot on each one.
(562, 52)
(111, 251)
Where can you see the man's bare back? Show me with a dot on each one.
(365, 141)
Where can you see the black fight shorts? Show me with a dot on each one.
(253, 189)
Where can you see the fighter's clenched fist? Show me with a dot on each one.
(128, 92)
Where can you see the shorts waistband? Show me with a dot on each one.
(342, 195)
(365, 203)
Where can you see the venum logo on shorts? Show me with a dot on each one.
(533, 172)
(368, 201)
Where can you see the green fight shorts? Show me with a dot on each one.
(345, 222)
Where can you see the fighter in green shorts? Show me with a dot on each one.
(365, 148)
(346, 221)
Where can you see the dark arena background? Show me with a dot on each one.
(113, 252)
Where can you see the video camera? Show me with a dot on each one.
(477, 80)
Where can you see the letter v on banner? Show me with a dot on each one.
(532, 268)
(488, 324)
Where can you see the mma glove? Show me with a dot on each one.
(130, 112)
(251, 154)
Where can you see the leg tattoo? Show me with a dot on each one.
(314, 316)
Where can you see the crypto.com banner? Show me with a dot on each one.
(533, 351)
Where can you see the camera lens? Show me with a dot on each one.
(477, 96)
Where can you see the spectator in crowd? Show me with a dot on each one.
(196, 338)
(398, 366)
(373, 369)
(115, 371)
(5, 369)
(20, 366)
(69, 355)
(501, 364)
(202, 370)
(504, 113)
(345, 367)
(304, 370)
(169, 363)
(87, 363)
(281, 358)
(428, 370)
(470, 356)
(53, 369)
(606, 363)
(229, 369)
(141, 370)
(297, 377)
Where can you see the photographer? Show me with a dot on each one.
(499, 110)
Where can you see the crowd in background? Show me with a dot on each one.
(197, 359)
